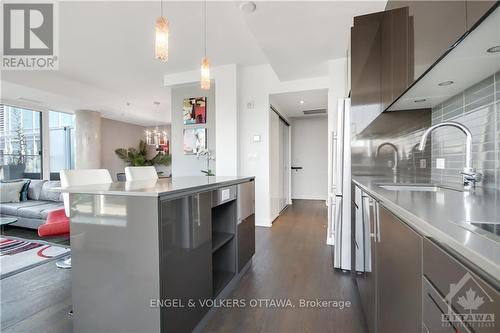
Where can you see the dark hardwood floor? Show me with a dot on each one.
(292, 262)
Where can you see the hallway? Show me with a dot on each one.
(292, 262)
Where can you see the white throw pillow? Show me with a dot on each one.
(10, 192)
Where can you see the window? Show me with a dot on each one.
(20, 143)
(62, 142)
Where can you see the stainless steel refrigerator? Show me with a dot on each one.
(339, 189)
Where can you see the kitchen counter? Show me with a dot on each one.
(144, 251)
(155, 188)
(443, 216)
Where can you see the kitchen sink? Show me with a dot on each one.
(416, 187)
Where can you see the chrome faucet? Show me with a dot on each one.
(396, 156)
(469, 175)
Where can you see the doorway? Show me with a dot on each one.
(310, 158)
(298, 147)
(280, 162)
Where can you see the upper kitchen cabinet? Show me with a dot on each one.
(365, 70)
(434, 26)
(396, 66)
(476, 10)
(380, 63)
(474, 58)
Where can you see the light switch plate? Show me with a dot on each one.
(256, 138)
(423, 164)
(439, 163)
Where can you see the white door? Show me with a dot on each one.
(310, 158)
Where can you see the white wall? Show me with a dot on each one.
(256, 83)
(226, 95)
(310, 151)
(242, 111)
(191, 165)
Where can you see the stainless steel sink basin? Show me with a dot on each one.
(416, 187)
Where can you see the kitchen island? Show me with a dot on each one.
(150, 256)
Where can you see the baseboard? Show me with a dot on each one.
(263, 223)
(310, 198)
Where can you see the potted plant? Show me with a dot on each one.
(139, 157)
(205, 153)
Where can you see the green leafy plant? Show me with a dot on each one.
(138, 157)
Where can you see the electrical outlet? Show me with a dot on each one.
(250, 105)
(423, 164)
(256, 138)
(439, 163)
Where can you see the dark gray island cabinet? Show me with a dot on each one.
(151, 256)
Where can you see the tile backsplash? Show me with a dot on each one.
(478, 108)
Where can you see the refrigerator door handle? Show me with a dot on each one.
(377, 219)
(333, 185)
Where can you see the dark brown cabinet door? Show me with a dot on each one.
(395, 59)
(434, 27)
(399, 275)
(365, 69)
(476, 10)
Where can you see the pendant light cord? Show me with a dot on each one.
(161, 8)
(205, 25)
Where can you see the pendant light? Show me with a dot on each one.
(161, 36)
(205, 63)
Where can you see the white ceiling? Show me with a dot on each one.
(106, 50)
(289, 106)
(299, 37)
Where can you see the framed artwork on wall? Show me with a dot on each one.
(194, 140)
(195, 110)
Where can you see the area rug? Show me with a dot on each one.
(18, 255)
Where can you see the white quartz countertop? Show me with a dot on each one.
(447, 217)
(155, 188)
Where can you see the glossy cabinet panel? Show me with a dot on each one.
(246, 241)
(453, 281)
(185, 228)
(396, 65)
(436, 26)
(114, 273)
(365, 70)
(476, 9)
(367, 280)
(399, 275)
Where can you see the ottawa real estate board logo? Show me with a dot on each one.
(30, 32)
(468, 304)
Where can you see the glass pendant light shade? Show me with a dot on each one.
(161, 40)
(205, 73)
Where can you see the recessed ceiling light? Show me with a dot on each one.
(420, 100)
(445, 83)
(493, 49)
(248, 7)
(301, 101)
